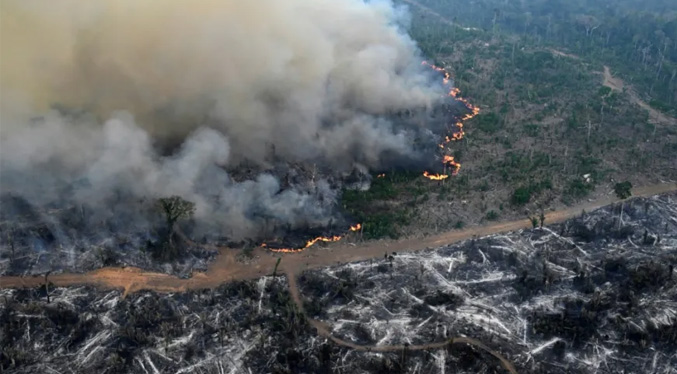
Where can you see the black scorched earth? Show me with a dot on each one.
(591, 295)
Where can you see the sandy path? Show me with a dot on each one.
(325, 330)
(617, 84)
(429, 11)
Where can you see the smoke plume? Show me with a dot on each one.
(108, 104)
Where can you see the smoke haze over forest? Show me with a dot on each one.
(105, 104)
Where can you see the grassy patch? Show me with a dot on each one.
(492, 215)
(578, 188)
(523, 194)
(489, 123)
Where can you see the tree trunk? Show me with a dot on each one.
(620, 217)
(171, 226)
(47, 286)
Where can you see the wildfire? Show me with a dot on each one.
(435, 177)
(454, 136)
(311, 242)
(449, 161)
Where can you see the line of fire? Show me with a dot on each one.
(311, 242)
(451, 166)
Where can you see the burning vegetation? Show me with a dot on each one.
(451, 167)
(311, 242)
(91, 162)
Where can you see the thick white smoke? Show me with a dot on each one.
(231, 81)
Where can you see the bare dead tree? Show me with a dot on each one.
(47, 285)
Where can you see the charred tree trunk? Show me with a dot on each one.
(47, 286)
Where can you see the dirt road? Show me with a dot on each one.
(610, 81)
(617, 84)
(325, 331)
(225, 268)
(429, 11)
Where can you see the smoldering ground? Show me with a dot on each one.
(109, 105)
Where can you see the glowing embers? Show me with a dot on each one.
(448, 160)
(310, 243)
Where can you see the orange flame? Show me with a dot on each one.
(459, 134)
(449, 161)
(435, 177)
(381, 176)
(310, 243)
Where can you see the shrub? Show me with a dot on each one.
(531, 129)
(578, 188)
(521, 196)
(623, 190)
(488, 123)
(492, 215)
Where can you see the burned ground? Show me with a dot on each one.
(37, 240)
(575, 297)
(239, 327)
(64, 234)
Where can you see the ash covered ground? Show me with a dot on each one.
(66, 238)
(585, 296)
(241, 327)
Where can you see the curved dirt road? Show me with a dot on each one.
(325, 331)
